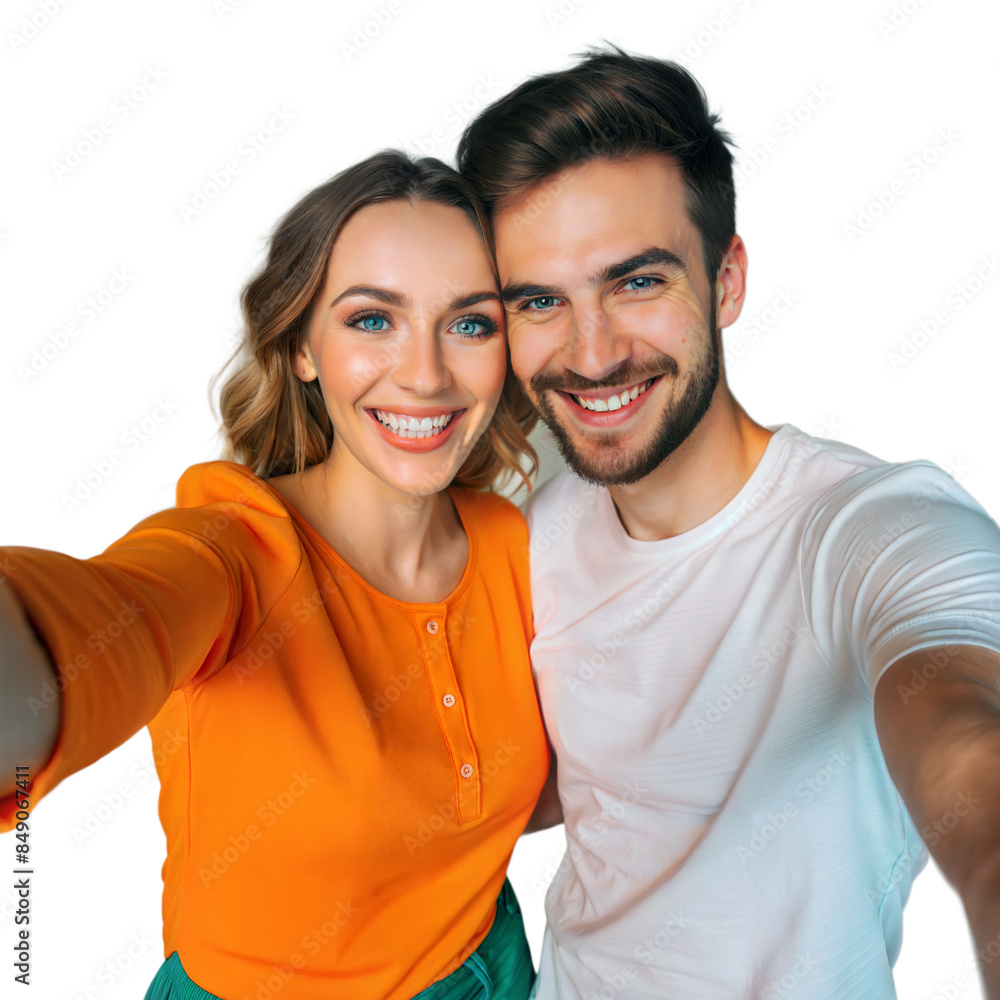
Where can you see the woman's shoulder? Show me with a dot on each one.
(219, 481)
(491, 515)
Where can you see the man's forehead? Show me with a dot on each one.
(603, 174)
(593, 215)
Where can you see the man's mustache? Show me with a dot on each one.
(627, 373)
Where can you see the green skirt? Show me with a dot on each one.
(499, 969)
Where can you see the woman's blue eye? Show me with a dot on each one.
(473, 328)
(374, 323)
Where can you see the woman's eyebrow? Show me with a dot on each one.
(390, 298)
(464, 301)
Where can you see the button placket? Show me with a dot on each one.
(451, 714)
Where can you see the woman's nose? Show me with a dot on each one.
(420, 366)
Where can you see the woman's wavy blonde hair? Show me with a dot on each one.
(275, 423)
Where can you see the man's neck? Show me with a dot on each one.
(698, 479)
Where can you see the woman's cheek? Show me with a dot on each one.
(491, 369)
(363, 365)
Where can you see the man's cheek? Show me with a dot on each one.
(522, 356)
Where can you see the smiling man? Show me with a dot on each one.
(769, 663)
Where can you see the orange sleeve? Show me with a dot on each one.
(160, 608)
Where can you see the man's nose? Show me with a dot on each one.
(594, 348)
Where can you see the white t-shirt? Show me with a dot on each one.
(732, 830)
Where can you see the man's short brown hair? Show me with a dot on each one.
(610, 105)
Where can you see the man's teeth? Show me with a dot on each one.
(413, 427)
(613, 402)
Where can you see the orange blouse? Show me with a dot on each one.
(343, 775)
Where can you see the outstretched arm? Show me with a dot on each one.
(937, 713)
(122, 630)
(26, 672)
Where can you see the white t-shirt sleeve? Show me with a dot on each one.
(896, 559)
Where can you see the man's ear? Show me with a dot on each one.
(731, 283)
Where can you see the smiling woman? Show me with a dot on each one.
(333, 624)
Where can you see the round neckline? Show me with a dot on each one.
(718, 522)
(458, 499)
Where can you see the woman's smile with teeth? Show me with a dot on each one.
(406, 426)
(616, 401)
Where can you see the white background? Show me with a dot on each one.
(888, 91)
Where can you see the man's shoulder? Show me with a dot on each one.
(833, 459)
(561, 500)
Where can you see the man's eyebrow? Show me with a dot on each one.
(512, 293)
(382, 294)
(650, 257)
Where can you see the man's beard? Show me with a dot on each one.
(604, 464)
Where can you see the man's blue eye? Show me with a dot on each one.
(640, 283)
(542, 302)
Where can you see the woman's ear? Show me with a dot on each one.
(303, 363)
